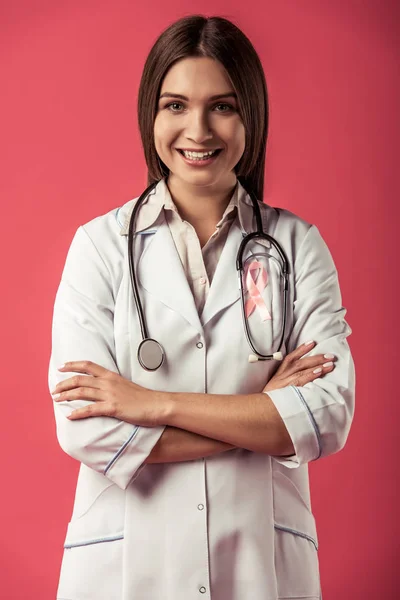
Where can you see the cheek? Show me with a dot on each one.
(238, 140)
(241, 141)
(164, 134)
(234, 135)
(158, 134)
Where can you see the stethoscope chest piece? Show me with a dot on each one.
(150, 354)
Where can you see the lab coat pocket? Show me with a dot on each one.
(94, 546)
(92, 571)
(296, 542)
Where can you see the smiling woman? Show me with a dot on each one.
(194, 467)
(196, 71)
(199, 143)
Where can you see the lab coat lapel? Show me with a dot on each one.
(224, 289)
(161, 273)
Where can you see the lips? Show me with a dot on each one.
(216, 151)
(199, 163)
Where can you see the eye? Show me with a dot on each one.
(173, 104)
(229, 106)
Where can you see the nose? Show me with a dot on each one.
(198, 127)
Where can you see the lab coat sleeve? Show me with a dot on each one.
(318, 415)
(82, 329)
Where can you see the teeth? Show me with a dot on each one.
(198, 154)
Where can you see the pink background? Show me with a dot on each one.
(71, 151)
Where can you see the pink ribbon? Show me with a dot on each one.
(255, 285)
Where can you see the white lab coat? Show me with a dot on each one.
(234, 526)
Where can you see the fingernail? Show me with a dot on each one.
(309, 343)
(317, 370)
(328, 364)
(329, 355)
(55, 396)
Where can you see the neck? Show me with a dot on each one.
(201, 204)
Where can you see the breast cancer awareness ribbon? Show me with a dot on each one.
(254, 286)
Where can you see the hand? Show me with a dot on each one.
(112, 395)
(295, 370)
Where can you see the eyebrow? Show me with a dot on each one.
(181, 97)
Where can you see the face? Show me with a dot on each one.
(198, 110)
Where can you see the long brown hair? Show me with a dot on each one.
(220, 39)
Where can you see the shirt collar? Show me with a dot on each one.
(160, 197)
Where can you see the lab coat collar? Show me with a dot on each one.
(160, 197)
(160, 270)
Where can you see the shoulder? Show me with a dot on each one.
(97, 244)
(284, 223)
(298, 236)
(106, 230)
(108, 225)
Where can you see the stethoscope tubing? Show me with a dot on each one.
(260, 234)
(142, 321)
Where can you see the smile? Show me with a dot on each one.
(199, 158)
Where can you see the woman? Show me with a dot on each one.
(194, 477)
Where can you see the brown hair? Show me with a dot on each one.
(217, 38)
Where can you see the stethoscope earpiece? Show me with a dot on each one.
(275, 356)
(253, 358)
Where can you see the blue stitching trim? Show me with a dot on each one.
(116, 216)
(299, 533)
(313, 421)
(118, 454)
(113, 538)
(136, 232)
(153, 191)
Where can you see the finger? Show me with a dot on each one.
(84, 366)
(318, 360)
(300, 351)
(80, 393)
(91, 410)
(77, 381)
(292, 357)
(308, 362)
(309, 375)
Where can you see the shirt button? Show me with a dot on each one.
(202, 589)
(200, 506)
(199, 344)
(203, 280)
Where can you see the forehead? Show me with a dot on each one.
(201, 76)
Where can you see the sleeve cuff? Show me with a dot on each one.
(300, 424)
(132, 454)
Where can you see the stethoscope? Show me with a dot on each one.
(150, 353)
